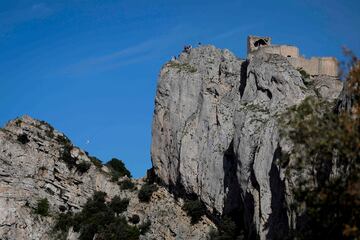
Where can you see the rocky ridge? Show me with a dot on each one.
(32, 168)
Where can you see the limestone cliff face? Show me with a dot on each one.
(215, 131)
(32, 168)
(193, 126)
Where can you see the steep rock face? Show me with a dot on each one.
(215, 132)
(192, 126)
(272, 85)
(327, 87)
(32, 168)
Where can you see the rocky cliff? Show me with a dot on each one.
(33, 166)
(216, 132)
(215, 137)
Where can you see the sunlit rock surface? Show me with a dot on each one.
(215, 131)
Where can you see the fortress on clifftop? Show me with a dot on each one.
(313, 66)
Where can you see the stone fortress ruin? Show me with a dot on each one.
(313, 66)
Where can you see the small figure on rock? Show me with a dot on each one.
(187, 48)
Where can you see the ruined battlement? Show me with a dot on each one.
(313, 66)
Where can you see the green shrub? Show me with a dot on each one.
(145, 227)
(119, 205)
(304, 74)
(115, 176)
(226, 231)
(151, 176)
(42, 207)
(64, 221)
(194, 209)
(97, 199)
(63, 140)
(119, 230)
(146, 192)
(99, 218)
(83, 166)
(135, 219)
(118, 169)
(127, 184)
(97, 162)
(65, 155)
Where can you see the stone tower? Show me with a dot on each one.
(255, 42)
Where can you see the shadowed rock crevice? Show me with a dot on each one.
(253, 180)
(23, 138)
(248, 216)
(243, 77)
(231, 183)
(233, 206)
(277, 223)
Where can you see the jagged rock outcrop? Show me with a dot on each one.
(216, 132)
(32, 167)
(327, 87)
(272, 86)
(193, 126)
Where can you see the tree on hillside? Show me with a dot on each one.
(325, 161)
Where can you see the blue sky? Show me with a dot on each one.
(90, 68)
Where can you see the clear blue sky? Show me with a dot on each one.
(90, 68)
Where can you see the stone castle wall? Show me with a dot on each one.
(317, 66)
(253, 40)
(313, 66)
(284, 50)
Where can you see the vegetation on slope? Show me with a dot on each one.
(194, 209)
(127, 184)
(326, 163)
(42, 207)
(99, 220)
(227, 230)
(118, 169)
(146, 192)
